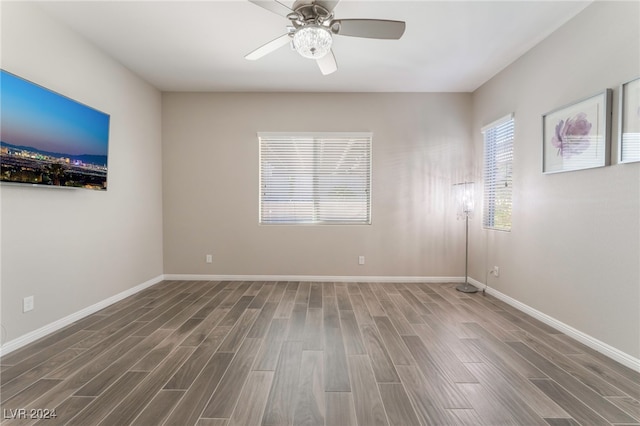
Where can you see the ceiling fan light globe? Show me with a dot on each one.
(312, 41)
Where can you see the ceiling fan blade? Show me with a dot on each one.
(369, 28)
(269, 47)
(273, 6)
(328, 4)
(327, 63)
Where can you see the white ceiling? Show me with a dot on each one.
(448, 46)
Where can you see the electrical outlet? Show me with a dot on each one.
(209, 258)
(360, 260)
(27, 304)
(496, 271)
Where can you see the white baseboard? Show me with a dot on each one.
(32, 336)
(25, 339)
(322, 278)
(595, 344)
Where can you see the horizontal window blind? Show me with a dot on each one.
(315, 179)
(498, 170)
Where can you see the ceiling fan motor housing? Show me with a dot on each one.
(313, 13)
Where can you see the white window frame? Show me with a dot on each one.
(306, 205)
(498, 139)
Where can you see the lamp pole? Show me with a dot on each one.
(466, 249)
(466, 200)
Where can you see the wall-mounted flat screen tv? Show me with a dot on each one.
(48, 139)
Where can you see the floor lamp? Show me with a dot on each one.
(464, 206)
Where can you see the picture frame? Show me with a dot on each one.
(629, 122)
(49, 140)
(578, 136)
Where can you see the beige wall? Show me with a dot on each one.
(574, 250)
(73, 248)
(421, 145)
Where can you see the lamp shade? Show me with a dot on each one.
(464, 195)
(312, 41)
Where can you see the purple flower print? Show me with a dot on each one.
(572, 136)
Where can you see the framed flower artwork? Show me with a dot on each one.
(577, 136)
(629, 125)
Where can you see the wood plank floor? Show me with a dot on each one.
(299, 353)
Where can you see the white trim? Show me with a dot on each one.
(324, 278)
(32, 336)
(595, 344)
(497, 122)
(315, 135)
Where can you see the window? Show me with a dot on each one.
(310, 178)
(498, 165)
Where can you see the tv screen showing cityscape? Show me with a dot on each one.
(48, 139)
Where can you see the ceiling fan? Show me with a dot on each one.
(313, 27)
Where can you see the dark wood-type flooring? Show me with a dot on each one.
(302, 353)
